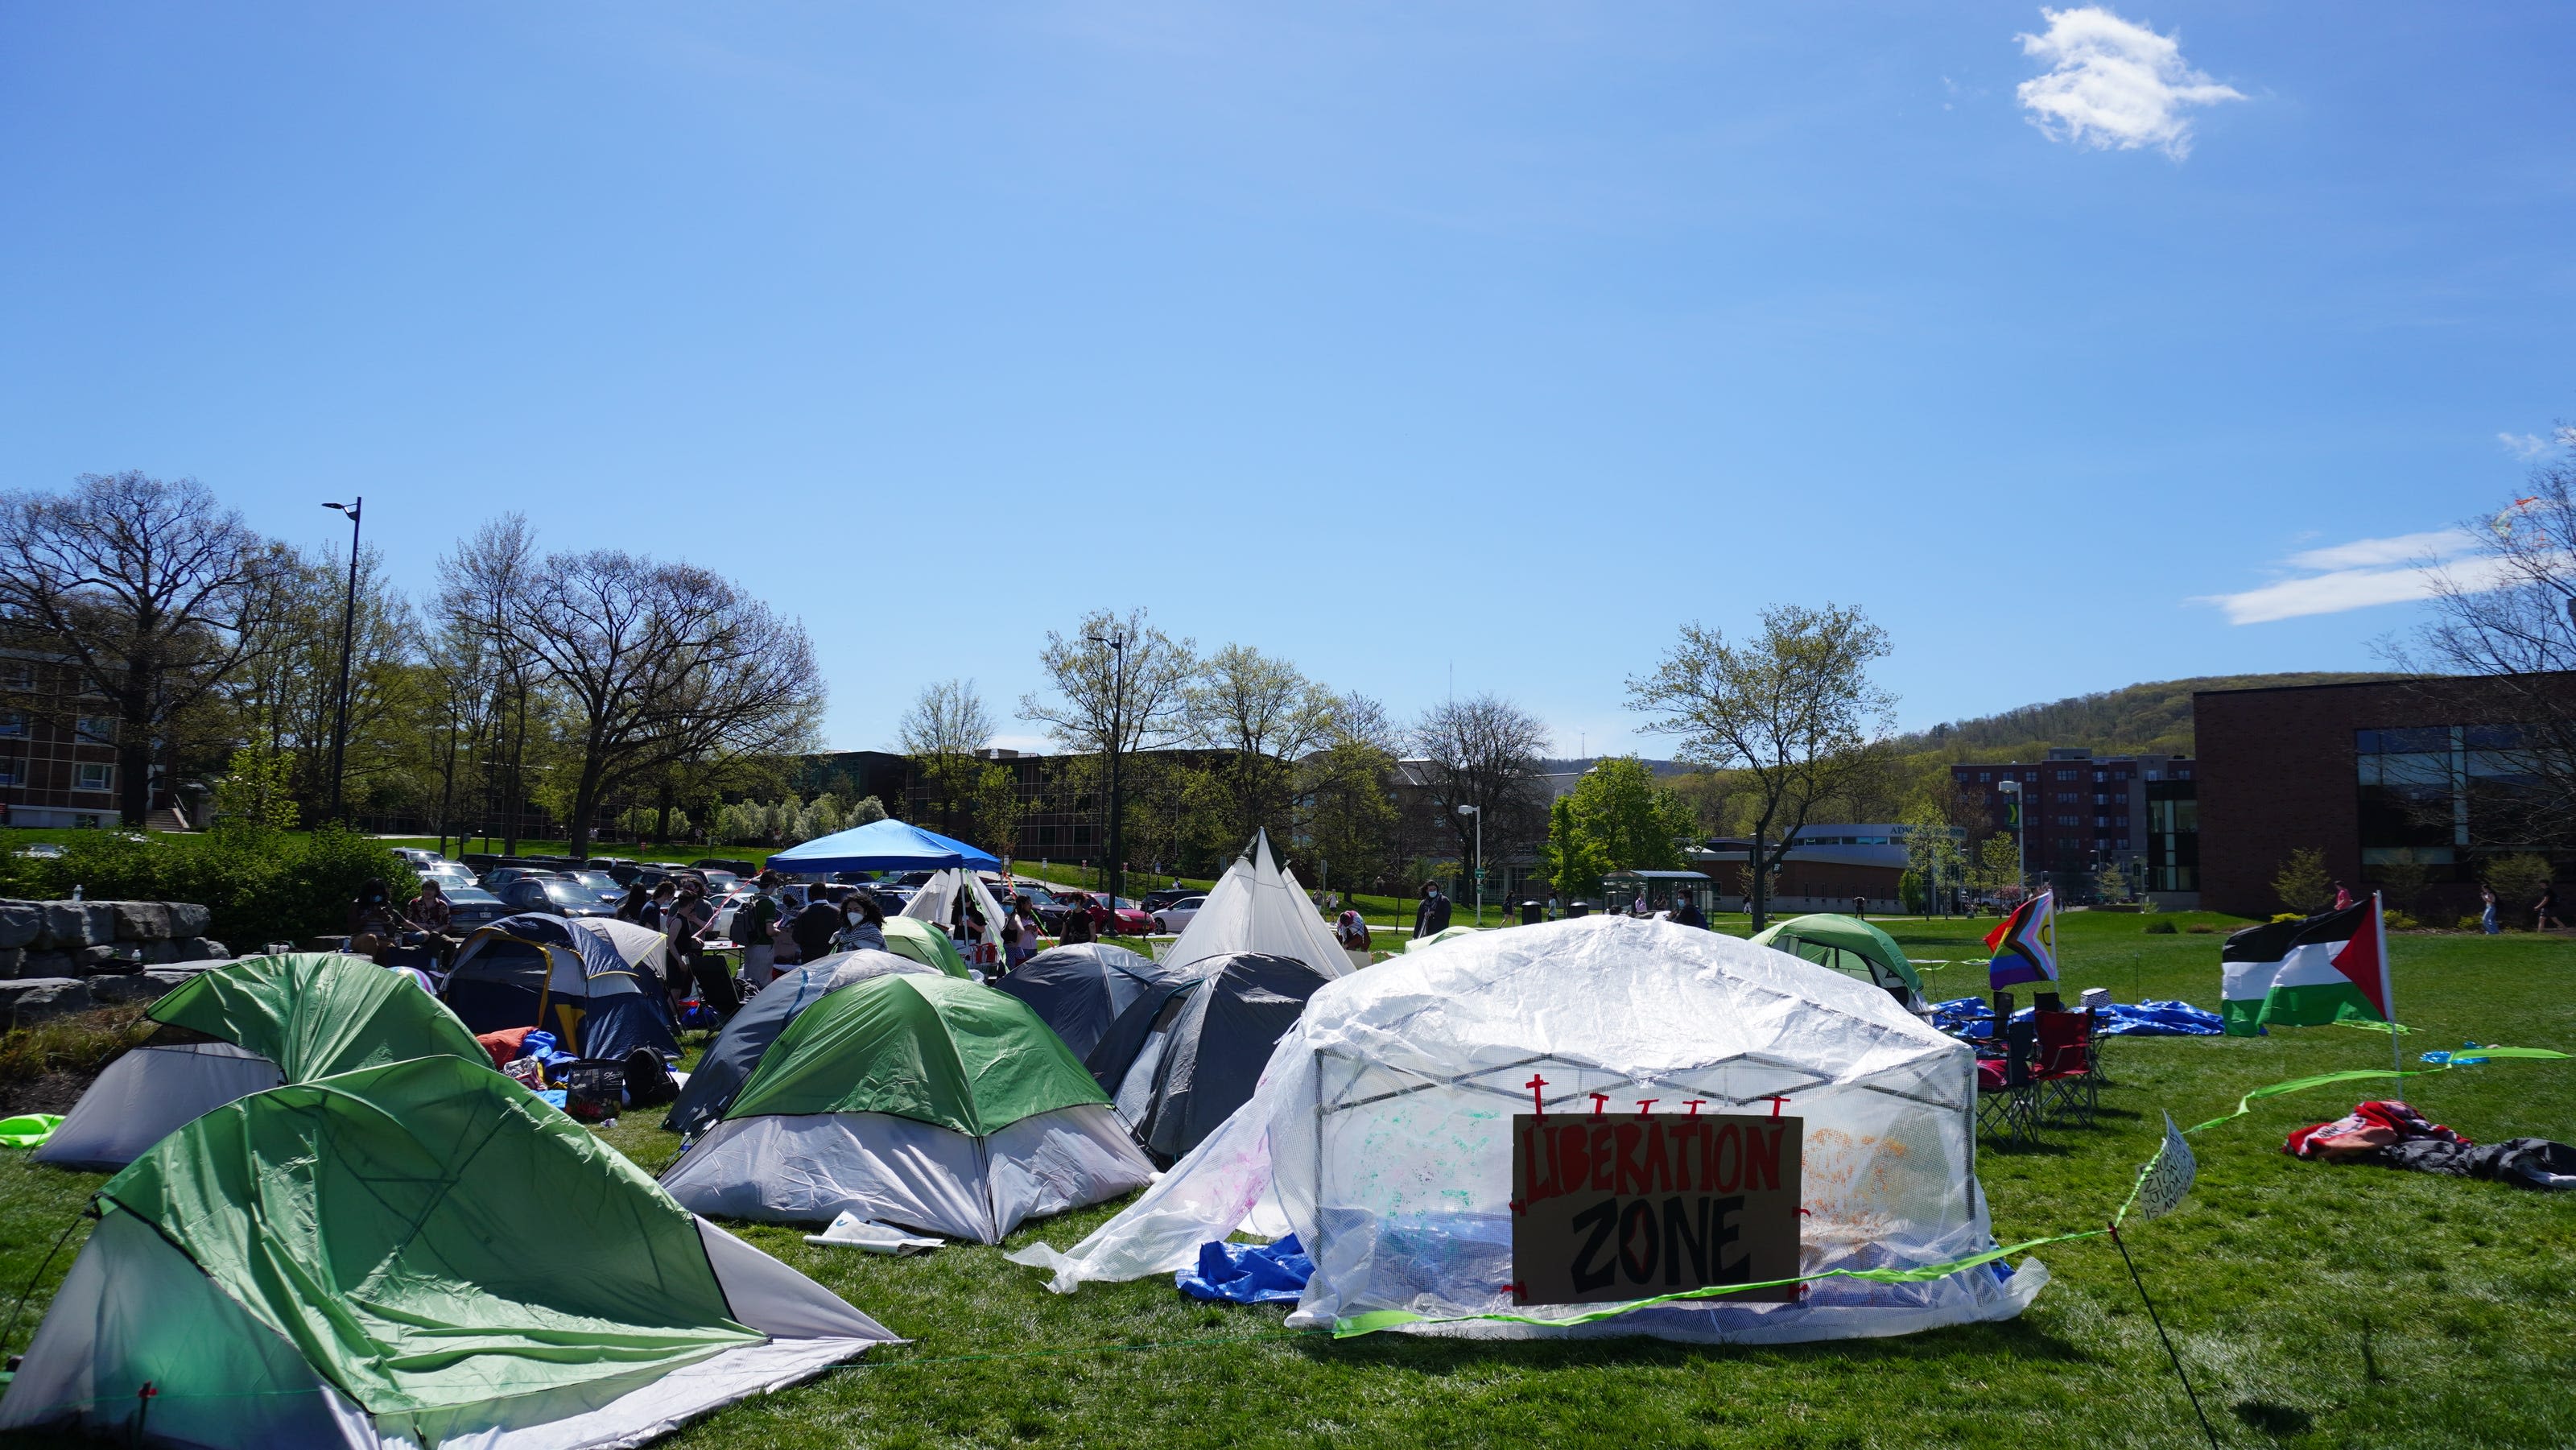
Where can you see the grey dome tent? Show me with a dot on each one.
(1080, 990)
(1184, 1056)
(729, 1062)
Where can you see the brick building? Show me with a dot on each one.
(2084, 811)
(2419, 776)
(57, 748)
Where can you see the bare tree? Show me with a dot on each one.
(2505, 615)
(484, 588)
(661, 663)
(145, 587)
(1266, 716)
(1484, 752)
(946, 732)
(1792, 709)
(1118, 689)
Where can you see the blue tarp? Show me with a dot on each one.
(1274, 1273)
(1975, 1017)
(883, 846)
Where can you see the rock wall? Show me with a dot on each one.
(68, 956)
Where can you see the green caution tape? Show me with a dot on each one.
(2245, 1104)
(1372, 1322)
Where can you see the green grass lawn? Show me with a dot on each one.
(2314, 1305)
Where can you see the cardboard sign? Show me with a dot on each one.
(1629, 1205)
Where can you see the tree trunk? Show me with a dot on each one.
(662, 815)
(518, 759)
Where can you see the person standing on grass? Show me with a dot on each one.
(2487, 911)
(686, 925)
(2343, 897)
(633, 907)
(1077, 922)
(1431, 914)
(751, 927)
(814, 927)
(2545, 910)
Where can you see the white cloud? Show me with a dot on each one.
(2524, 445)
(2112, 84)
(2363, 573)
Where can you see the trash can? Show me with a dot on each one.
(1533, 912)
(1577, 908)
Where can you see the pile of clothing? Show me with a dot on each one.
(2394, 1135)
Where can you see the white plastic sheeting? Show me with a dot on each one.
(132, 1308)
(938, 897)
(1381, 1131)
(1257, 906)
(810, 1168)
(150, 1093)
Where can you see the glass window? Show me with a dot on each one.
(2415, 738)
(97, 729)
(2492, 737)
(2365, 742)
(12, 723)
(93, 776)
(1985, 775)
(12, 772)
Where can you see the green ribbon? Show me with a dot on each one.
(1375, 1320)
(2246, 1103)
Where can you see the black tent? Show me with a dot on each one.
(1080, 990)
(728, 1062)
(1186, 1054)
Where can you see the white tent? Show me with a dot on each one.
(937, 899)
(639, 946)
(1257, 906)
(1380, 1133)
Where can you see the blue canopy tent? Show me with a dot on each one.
(534, 970)
(887, 845)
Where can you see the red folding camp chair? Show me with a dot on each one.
(2063, 1072)
(2007, 1088)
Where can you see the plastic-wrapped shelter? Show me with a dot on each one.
(919, 1101)
(1080, 990)
(887, 845)
(244, 1028)
(1851, 946)
(521, 1287)
(925, 943)
(535, 970)
(1257, 906)
(727, 1064)
(937, 899)
(1381, 1133)
(1446, 933)
(1188, 1052)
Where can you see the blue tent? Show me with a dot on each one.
(883, 846)
(535, 970)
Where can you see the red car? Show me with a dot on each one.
(1127, 919)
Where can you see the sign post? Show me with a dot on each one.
(1614, 1207)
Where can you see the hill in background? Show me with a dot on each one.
(2152, 718)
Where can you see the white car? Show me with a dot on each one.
(417, 856)
(1176, 917)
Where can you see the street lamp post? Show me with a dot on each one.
(348, 638)
(1480, 859)
(2021, 834)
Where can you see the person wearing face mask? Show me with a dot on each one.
(751, 927)
(863, 924)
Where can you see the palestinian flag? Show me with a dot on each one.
(2025, 945)
(2331, 967)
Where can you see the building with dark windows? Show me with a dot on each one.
(2408, 785)
(57, 748)
(2080, 812)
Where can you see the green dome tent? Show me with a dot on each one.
(924, 943)
(410, 1254)
(921, 1101)
(247, 1027)
(1848, 945)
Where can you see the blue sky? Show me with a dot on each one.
(1488, 338)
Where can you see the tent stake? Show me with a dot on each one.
(2159, 1323)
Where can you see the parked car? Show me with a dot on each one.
(554, 896)
(46, 850)
(418, 857)
(448, 874)
(601, 883)
(501, 876)
(1118, 917)
(472, 906)
(1176, 916)
(1161, 897)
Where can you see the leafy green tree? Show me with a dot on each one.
(257, 793)
(1575, 860)
(1351, 815)
(2302, 883)
(1638, 824)
(2111, 883)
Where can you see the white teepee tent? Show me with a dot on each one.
(1257, 906)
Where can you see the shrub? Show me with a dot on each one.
(257, 885)
(2302, 883)
(2158, 928)
(2399, 921)
(2516, 881)
(2472, 922)
(82, 1042)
